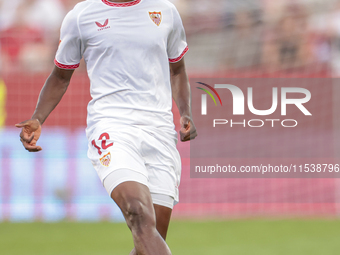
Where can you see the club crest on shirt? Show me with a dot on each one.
(156, 17)
(106, 159)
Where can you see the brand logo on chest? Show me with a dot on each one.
(103, 26)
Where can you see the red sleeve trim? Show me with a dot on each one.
(174, 60)
(65, 66)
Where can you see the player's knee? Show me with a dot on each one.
(138, 216)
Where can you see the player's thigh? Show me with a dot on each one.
(163, 216)
(134, 200)
(135, 193)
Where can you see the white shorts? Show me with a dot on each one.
(122, 175)
(133, 154)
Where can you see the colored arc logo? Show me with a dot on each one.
(209, 93)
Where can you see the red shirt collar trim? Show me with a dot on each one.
(123, 4)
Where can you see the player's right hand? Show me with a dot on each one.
(30, 133)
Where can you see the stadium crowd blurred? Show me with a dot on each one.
(223, 35)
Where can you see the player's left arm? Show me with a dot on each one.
(182, 96)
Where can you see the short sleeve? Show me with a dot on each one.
(69, 52)
(177, 45)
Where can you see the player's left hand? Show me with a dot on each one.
(30, 133)
(188, 130)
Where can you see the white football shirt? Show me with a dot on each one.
(127, 48)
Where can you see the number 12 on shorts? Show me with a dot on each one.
(103, 137)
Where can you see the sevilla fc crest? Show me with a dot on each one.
(106, 159)
(156, 17)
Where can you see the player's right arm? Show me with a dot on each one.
(50, 95)
(68, 56)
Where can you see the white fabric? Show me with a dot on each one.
(142, 152)
(123, 175)
(163, 200)
(127, 56)
(119, 176)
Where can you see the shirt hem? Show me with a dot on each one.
(62, 66)
(174, 60)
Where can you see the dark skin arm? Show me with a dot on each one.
(182, 96)
(50, 95)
